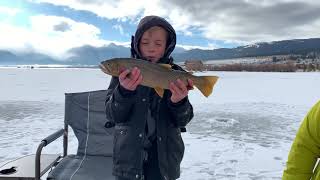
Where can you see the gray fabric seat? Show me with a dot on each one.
(85, 113)
(77, 167)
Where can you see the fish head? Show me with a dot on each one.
(110, 67)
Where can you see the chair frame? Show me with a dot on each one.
(46, 141)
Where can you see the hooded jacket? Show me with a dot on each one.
(305, 149)
(129, 111)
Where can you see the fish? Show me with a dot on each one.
(158, 76)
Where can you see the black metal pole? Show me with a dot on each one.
(38, 155)
(65, 140)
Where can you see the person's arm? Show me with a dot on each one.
(181, 111)
(119, 101)
(305, 149)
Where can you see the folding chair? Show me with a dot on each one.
(85, 114)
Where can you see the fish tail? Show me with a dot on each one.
(205, 84)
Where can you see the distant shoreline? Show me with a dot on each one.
(283, 63)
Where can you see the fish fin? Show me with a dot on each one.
(205, 84)
(159, 91)
(168, 66)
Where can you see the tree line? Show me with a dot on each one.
(285, 67)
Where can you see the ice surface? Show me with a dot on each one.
(244, 130)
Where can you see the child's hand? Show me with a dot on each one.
(130, 80)
(179, 90)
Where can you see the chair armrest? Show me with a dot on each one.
(44, 143)
(53, 137)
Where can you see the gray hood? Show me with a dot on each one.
(146, 23)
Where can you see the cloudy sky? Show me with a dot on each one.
(54, 26)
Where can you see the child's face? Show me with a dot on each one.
(153, 43)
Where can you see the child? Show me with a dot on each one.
(147, 139)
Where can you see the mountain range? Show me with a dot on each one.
(89, 55)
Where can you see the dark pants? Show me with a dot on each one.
(151, 166)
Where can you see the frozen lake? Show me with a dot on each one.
(244, 130)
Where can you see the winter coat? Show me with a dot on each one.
(130, 116)
(305, 149)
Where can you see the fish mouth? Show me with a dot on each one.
(105, 69)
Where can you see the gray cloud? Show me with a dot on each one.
(247, 21)
(242, 21)
(63, 26)
(97, 2)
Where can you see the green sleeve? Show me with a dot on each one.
(305, 149)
